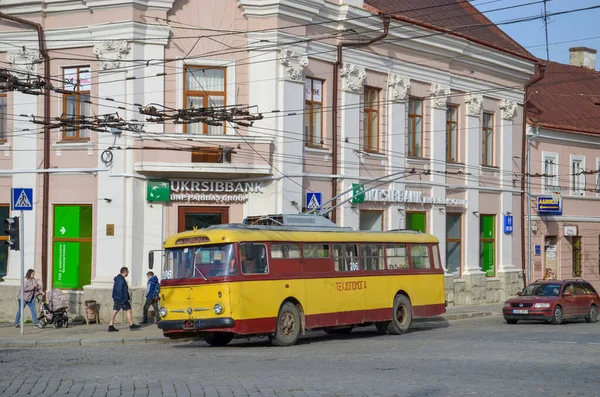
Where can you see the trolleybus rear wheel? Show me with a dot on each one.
(401, 316)
(288, 326)
(218, 338)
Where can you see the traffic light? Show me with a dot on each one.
(12, 232)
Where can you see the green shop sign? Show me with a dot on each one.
(72, 246)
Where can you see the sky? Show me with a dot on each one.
(580, 29)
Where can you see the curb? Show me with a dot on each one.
(466, 316)
(86, 342)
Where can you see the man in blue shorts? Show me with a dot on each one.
(121, 300)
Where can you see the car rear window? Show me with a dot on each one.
(541, 290)
(589, 290)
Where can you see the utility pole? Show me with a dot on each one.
(546, 29)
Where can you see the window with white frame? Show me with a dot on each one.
(205, 87)
(77, 82)
(577, 175)
(550, 164)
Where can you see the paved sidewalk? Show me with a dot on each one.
(89, 335)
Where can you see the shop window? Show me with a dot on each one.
(4, 214)
(419, 256)
(285, 251)
(487, 140)
(453, 243)
(487, 240)
(346, 257)
(371, 220)
(415, 127)
(314, 251)
(452, 133)
(254, 258)
(205, 87)
(76, 102)
(416, 221)
(72, 246)
(371, 119)
(3, 119)
(396, 256)
(577, 175)
(576, 245)
(372, 256)
(313, 112)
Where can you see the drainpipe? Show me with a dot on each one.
(525, 150)
(334, 110)
(46, 175)
(537, 133)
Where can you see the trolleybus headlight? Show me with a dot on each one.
(218, 309)
(162, 311)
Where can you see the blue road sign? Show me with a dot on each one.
(538, 250)
(508, 224)
(314, 200)
(21, 199)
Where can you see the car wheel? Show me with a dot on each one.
(288, 326)
(510, 321)
(557, 316)
(592, 316)
(402, 316)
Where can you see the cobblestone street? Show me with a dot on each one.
(479, 357)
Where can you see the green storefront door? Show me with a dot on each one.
(487, 248)
(72, 246)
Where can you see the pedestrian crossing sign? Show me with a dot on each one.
(314, 200)
(22, 199)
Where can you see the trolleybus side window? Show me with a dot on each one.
(254, 258)
(436, 256)
(346, 257)
(285, 251)
(315, 251)
(419, 255)
(397, 256)
(372, 256)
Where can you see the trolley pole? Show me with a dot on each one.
(21, 240)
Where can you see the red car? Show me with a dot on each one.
(554, 301)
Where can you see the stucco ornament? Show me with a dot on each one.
(400, 86)
(439, 94)
(111, 53)
(509, 109)
(352, 77)
(474, 104)
(293, 64)
(24, 62)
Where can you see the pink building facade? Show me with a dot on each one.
(429, 109)
(563, 128)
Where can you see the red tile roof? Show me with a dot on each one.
(565, 99)
(456, 17)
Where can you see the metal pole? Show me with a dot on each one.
(21, 246)
(528, 201)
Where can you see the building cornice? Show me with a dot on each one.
(87, 36)
(46, 7)
(298, 10)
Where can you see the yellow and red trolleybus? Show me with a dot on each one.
(280, 281)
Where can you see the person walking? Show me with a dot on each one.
(121, 300)
(31, 289)
(152, 296)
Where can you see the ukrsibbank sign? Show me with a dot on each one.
(201, 191)
(408, 196)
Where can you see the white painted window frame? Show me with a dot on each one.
(553, 180)
(572, 177)
(230, 89)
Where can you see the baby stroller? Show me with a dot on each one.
(54, 309)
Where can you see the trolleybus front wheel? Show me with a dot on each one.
(401, 316)
(288, 326)
(218, 338)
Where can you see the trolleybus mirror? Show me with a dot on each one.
(150, 259)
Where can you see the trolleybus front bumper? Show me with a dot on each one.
(194, 325)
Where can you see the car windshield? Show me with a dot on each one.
(199, 262)
(541, 290)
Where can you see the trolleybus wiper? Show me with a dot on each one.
(199, 271)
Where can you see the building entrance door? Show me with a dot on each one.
(201, 217)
